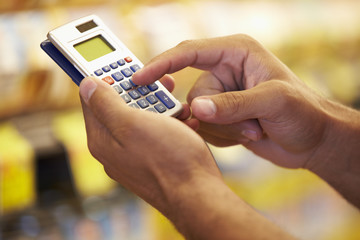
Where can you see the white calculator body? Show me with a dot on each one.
(95, 51)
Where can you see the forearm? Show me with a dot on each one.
(338, 159)
(208, 209)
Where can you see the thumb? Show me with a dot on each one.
(232, 107)
(104, 102)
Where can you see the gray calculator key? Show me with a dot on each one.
(134, 105)
(126, 98)
(143, 103)
(151, 110)
(118, 88)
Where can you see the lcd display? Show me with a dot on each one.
(94, 48)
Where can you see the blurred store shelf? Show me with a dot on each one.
(50, 185)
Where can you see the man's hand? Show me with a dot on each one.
(142, 150)
(247, 96)
(166, 163)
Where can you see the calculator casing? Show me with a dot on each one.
(65, 37)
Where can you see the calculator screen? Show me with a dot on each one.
(94, 48)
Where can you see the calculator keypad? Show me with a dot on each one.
(118, 75)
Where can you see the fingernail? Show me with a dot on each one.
(87, 88)
(250, 134)
(204, 106)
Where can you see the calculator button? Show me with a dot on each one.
(134, 105)
(126, 98)
(117, 76)
(128, 59)
(114, 65)
(143, 90)
(132, 83)
(151, 110)
(153, 87)
(106, 69)
(143, 103)
(98, 72)
(165, 99)
(134, 94)
(127, 72)
(152, 99)
(135, 67)
(160, 108)
(121, 62)
(126, 85)
(118, 89)
(108, 79)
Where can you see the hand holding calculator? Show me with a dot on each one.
(86, 47)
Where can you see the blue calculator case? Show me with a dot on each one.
(62, 61)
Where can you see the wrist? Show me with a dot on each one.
(337, 159)
(206, 208)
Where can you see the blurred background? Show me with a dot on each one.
(50, 186)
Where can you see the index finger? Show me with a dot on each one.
(202, 54)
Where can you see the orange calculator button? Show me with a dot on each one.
(108, 79)
(128, 59)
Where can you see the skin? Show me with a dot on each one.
(245, 96)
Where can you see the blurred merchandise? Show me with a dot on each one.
(52, 188)
(17, 175)
(89, 176)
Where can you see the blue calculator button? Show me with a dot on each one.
(121, 62)
(134, 105)
(127, 72)
(106, 69)
(152, 99)
(143, 90)
(153, 87)
(126, 98)
(132, 83)
(117, 76)
(160, 108)
(143, 103)
(134, 94)
(114, 65)
(118, 88)
(135, 67)
(98, 72)
(165, 99)
(126, 85)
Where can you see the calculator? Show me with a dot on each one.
(87, 47)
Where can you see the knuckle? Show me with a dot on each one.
(185, 43)
(232, 102)
(284, 93)
(245, 37)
